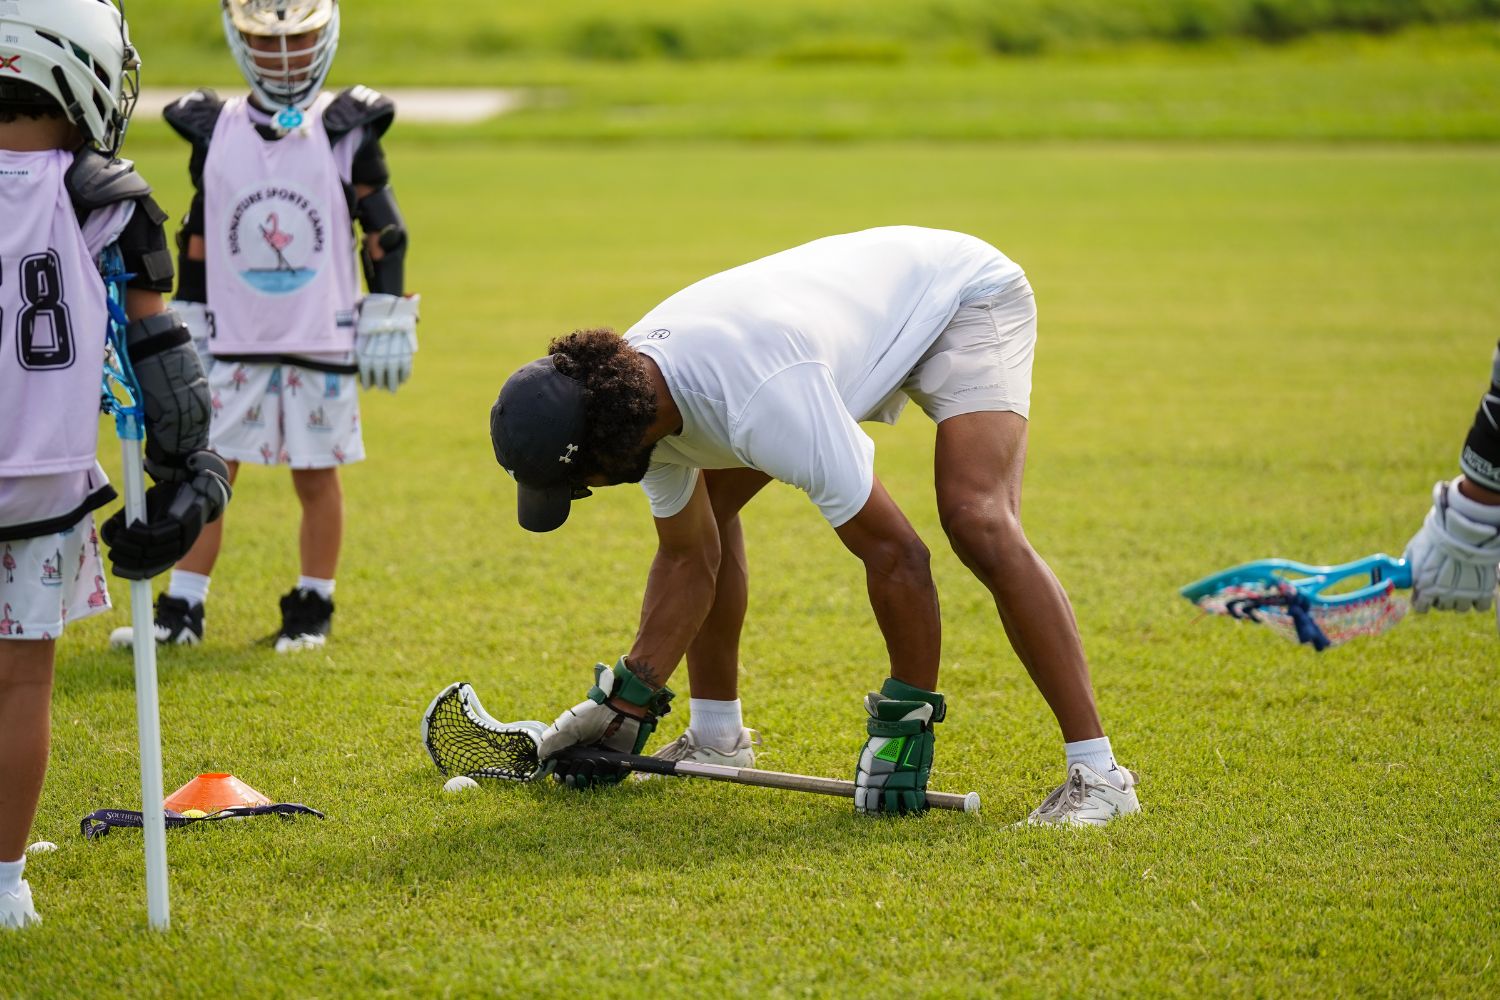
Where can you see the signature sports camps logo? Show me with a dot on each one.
(276, 239)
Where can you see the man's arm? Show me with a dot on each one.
(679, 589)
(899, 579)
(623, 706)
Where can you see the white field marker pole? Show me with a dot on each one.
(147, 714)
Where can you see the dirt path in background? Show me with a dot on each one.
(455, 106)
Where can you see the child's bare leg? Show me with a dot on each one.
(25, 735)
(205, 551)
(322, 531)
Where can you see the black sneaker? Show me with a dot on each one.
(306, 619)
(178, 623)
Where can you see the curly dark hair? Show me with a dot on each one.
(620, 403)
(21, 99)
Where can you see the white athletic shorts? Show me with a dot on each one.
(280, 414)
(982, 359)
(51, 580)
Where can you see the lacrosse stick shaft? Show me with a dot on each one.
(147, 714)
(773, 779)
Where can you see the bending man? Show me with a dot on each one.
(764, 372)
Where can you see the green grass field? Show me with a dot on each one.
(1244, 352)
(1267, 286)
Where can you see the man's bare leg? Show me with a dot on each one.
(979, 461)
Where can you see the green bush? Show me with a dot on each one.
(181, 33)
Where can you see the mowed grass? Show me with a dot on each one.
(1244, 352)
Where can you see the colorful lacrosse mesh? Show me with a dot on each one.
(460, 743)
(1265, 603)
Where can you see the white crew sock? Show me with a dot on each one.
(1097, 755)
(323, 588)
(10, 875)
(717, 723)
(190, 587)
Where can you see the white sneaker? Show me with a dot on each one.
(1087, 798)
(16, 908)
(687, 747)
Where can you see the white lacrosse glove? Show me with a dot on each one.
(195, 316)
(1454, 555)
(595, 722)
(385, 338)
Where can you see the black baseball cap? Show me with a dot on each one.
(537, 426)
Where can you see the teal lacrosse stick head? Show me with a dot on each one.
(120, 395)
(1294, 598)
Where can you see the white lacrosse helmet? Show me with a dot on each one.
(284, 74)
(79, 52)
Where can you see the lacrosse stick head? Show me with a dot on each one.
(462, 738)
(1304, 602)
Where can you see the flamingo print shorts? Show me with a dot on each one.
(50, 581)
(281, 414)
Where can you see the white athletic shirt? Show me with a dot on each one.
(53, 325)
(773, 363)
(280, 262)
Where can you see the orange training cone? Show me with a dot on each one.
(209, 793)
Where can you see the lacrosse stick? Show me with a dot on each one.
(462, 738)
(1292, 598)
(122, 399)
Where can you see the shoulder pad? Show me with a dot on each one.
(94, 180)
(195, 115)
(358, 107)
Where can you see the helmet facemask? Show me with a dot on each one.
(284, 49)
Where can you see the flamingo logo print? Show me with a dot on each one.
(276, 238)
(9, 562)
(9, 625)
(100, 597)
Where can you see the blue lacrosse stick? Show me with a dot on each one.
(1292, 597)
(122, 398)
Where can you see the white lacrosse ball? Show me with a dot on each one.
(459, 783)
(42, 847)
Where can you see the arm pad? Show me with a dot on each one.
(379, 215)
(174, 391)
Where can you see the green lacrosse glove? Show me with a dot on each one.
(891, 776)
(594, 722)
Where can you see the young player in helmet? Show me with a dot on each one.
(268, 286)
(65, 100)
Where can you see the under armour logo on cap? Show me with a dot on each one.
(567, 455)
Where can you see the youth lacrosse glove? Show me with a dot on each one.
(385, 339)
(175, 513)
(891, 776)
(594, 722)
(1454, 555)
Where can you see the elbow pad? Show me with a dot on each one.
(174, 393)
(380, 216)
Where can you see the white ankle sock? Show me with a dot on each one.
(1097, 755)
(10, 874)
(323, 588)
(190, 587)
(717, 723)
